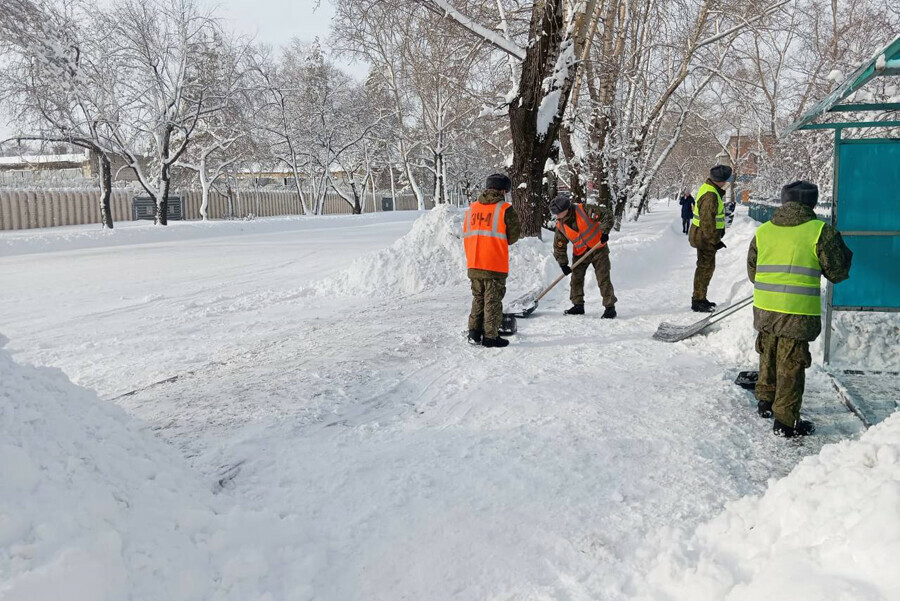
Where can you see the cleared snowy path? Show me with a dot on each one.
(403, 463)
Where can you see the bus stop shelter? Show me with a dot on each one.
(866, 190)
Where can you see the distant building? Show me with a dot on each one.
(31, 167)
(747, 152)
(121, 172)
(66, 166)
(281, 175)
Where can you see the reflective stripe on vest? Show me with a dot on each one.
(484, 237)
(720, 210)
(587, 235)
(787, 268)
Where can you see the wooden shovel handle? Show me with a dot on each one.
(563, 276)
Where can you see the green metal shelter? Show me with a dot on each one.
(866, 194)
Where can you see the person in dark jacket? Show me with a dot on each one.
(785, 262)
(687, 211)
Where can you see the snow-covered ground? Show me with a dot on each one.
(828, 531)
(336, 439)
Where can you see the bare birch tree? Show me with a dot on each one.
(157, 49)
(49, 82)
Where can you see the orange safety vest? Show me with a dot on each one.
(587, 235)
(484, 236)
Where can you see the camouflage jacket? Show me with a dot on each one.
(599, 213)
(513, 232)
(707, 206)
(835, 258)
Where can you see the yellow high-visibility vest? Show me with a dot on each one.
(720, 211)
(788, 272)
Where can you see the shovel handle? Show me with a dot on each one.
(563, 276)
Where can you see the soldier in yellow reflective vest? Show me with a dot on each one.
(706, 233)
(787, 258)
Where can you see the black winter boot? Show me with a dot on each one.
(609, 313)
(575, 310)
(495, 342)
(709, 302)
(801, 428)
(764, 408)
(475, 336)
(701, 306)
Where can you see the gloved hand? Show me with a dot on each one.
(604, 238)
(720, 245)
(565, 269)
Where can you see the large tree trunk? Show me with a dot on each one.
(528, 181)
(357, 206)
(204, 187)
(576, 168)
(602, 86)
(105, 189)
(599, 130)
(627, 192)
(411, 176)
(162, 201)
(393, 184)
(530, 147)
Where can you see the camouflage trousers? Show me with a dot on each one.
(782, 375)
(706, 267)
(487, 306)
(599, 259)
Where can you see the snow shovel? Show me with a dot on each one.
(668, 332)
(526, 304)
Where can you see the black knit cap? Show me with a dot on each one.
(498, 181)
(803, 192)
(720, 173)
(561, 203)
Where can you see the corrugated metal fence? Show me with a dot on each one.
(22, 209)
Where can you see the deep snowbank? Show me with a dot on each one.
(431, 256)
(869, 341)
(829, 531)
(94, 508)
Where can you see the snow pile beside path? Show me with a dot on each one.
(868, 341)
(431, 256)
(94, 508)
(829, 531)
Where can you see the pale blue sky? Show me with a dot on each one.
(276, 22)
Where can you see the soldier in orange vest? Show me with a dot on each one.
(490, 227)
(586, 226)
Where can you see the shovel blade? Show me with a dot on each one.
(522, 306)
(527, 311)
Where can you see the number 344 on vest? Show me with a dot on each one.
(484, 236)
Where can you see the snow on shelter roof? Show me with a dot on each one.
(884, 62)
(42, 159)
